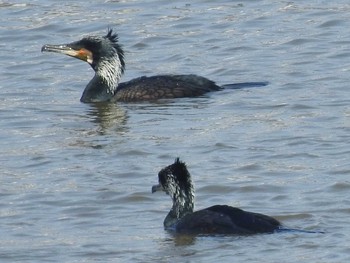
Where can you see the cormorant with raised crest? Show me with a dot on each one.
(106, 57)
(175, 180)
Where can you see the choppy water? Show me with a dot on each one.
(76, 178)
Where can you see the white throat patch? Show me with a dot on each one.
(110, 70)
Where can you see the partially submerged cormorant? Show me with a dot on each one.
(175, 180)
(106, 57)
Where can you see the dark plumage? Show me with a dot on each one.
(175, 180)
(164, 87)
(106, 57)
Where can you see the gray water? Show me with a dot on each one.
(75, 179)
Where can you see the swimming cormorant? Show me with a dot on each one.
(175, 180)
(106, 57)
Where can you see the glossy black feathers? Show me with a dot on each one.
(223, 219)
(164, 87)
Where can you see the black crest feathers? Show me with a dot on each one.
(114, 39)
(181, 175)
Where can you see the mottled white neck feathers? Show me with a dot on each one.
(110, 72)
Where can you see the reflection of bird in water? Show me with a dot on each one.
(108, 125)
(109, 117)
(106, 57)
(175, 180)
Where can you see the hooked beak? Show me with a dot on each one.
(82, 53)
(156, 188)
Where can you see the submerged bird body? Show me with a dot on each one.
(175, 180)
(106, 57)
(224, 219)
(164, 87)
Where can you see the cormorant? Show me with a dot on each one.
(106, 57)
(175, 180)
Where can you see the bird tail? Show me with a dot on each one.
(245, 85)
(294, 230)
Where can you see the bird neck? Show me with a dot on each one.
(104, 84)
(183, 204)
